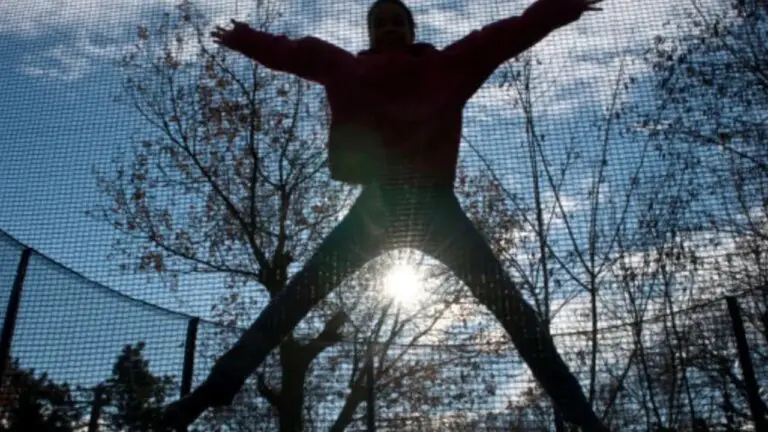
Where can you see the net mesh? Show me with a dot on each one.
(618, 170)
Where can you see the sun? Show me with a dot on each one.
(403, 284)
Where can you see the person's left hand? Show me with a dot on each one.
(578, 7)
(567, 11)
(589, 5)
(231, 38)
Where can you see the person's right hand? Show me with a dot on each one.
(571, 10)
(231, 38)
(563, 12)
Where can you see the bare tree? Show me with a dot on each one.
(227, 184)
(224, 179)
(573, 237)
(670, 237)
(712, 84)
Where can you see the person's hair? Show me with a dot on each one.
(399, 3)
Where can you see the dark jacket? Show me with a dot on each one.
(403, 108)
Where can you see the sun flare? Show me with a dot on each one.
(403, 284)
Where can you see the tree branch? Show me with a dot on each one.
(330, 335)
(356, 396)
(272, 396)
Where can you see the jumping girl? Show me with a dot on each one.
(396, 126)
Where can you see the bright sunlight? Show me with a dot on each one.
(404, 284)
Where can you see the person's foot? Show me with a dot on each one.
(220, 388)
(584, 419)
(593, 425)
(181, 413)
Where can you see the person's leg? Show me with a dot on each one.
(346, 249)
(450, 237)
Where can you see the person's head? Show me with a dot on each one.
(390, 24)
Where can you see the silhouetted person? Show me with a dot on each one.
(395, 129)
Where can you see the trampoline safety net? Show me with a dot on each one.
(294, 198)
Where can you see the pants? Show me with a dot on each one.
(431, 220)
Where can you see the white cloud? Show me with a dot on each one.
(47, 17)
(57, 63)
(624, 25)
(70, 61)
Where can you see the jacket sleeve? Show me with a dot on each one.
(309, 57)
(481, 52)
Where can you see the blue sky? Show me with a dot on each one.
(59, 119)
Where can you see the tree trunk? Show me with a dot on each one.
(356, 396)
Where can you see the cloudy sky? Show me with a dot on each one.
(59, 74)
(59, 119)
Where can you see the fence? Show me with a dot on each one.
(618, 169)
(73, 330)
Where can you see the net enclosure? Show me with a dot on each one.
(595, 260)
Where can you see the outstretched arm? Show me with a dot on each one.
(482, 51)
(309, 58)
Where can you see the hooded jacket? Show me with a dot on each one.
(400, 111)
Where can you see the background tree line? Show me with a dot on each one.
(625, 235)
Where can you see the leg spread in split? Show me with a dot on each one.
(344, 252)
(453, 240)
(346, 249)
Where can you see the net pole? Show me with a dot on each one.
(747, 370)
(12, 311)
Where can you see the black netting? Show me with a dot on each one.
(74, 329)
(170, 191)
(10, 251)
